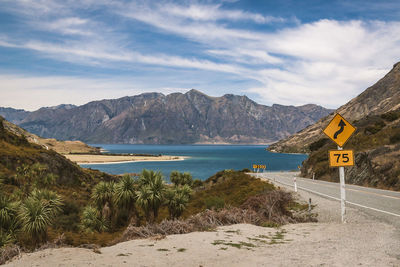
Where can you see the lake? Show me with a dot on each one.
(204, 161)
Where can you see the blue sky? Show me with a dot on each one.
(288, 51)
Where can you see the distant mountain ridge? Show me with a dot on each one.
(155, 118)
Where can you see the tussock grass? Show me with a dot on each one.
(267, 207)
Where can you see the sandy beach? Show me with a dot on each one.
(108, 159)
(364, 241)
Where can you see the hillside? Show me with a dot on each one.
(16, 152)
(382, 97)
(62, 147)
(154, 118)
(376, 114)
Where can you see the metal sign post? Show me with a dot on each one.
(342, 191)
(339, 131)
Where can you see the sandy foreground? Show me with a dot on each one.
(363, 241)
(107, 159)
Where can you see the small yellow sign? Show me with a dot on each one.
(341, 158)
(339, 130)
(258, 166)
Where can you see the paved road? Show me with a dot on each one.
(383, 204)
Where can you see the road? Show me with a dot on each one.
(383, 204)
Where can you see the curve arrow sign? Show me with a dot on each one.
(341, 125)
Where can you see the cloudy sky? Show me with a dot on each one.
(283, 51)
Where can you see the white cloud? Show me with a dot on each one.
(326, 62)
(33, 92)
(214, 12)
(68, 25)
(96, 53)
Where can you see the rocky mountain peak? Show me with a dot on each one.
(154, 118)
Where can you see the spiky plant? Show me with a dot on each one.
(155, 188)
(35, 216)
(125, 196)
(91, 220)
(175, 178)
(178, 178)
(49, 198)
(8, 213)
(125, 193)
(143, 200)
(5, 238)
(103, 193)
(45, 180)
(187, 179)
(177, 199)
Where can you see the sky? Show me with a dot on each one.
(289, 52)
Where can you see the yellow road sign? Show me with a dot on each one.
(341, 158)
(339, 130)
(259, 166)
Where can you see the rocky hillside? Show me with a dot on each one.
(17, 153)
(376, 142)
(13, 115)
(62, 147)
(382, 97)
(154, 118)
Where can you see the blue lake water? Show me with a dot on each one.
(204, 161)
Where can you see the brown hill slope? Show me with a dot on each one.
(383, 96)
(16, 151)
(62, 147)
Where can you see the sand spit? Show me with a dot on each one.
(364, 241)
(108, 159)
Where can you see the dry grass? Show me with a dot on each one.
(271, 207)
(9, 252)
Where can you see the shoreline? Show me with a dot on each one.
(128, 161)
(87, 159)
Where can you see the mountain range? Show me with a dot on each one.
(155, 118)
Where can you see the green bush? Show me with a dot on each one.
(214, 203)
(391, 115)
(318, 144)
(373, 129)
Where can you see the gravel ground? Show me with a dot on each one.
(364, 240)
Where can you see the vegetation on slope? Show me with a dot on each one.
(46, 198)
(377, 160)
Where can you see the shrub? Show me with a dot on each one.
(395, 138)
(36, 216)
(178, 178)
(92, 220)
(391, 115)
(214, 203)
(197, 183)
(373, 129)
(318, 144)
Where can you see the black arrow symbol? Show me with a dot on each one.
(341, 125)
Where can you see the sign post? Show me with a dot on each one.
(342, 191)
(339, 131)
(258, 167)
